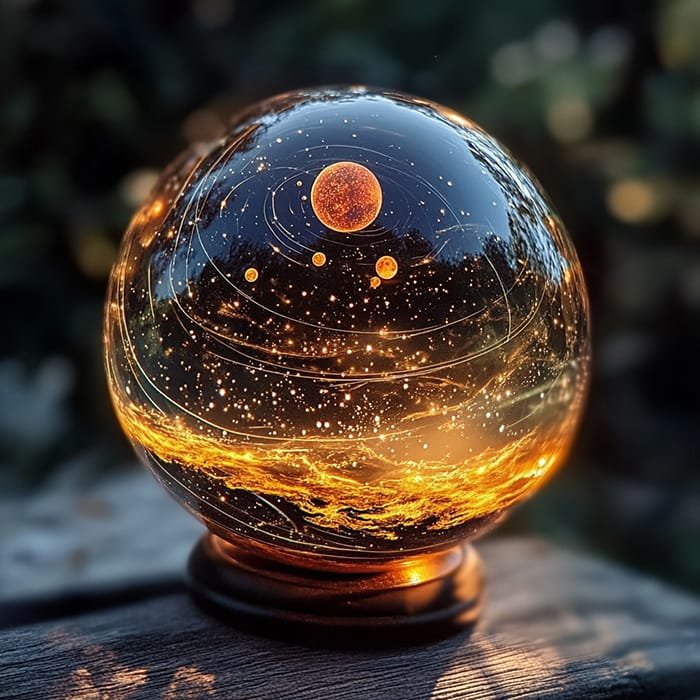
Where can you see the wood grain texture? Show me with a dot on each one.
(556, 625)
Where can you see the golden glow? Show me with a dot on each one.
(156, 208)
(375, 282)
(346, 197)
(314, 475)
(251, 274)
(386, 267)
(190, 682)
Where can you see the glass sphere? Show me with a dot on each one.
(351, 330)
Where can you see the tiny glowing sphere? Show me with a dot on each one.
(346, 197)
(327, 416)
(386, 267)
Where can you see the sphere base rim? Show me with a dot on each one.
(409, 603)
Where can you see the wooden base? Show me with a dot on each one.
(408, 602)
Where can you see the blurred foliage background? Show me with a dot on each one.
(601, 99)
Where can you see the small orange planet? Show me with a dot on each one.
(251, 275)
(318, 259)
(346, 197)
(386, 267)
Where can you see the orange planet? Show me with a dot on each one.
(386, 267)
(346, 197)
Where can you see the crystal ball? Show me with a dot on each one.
(352, 330)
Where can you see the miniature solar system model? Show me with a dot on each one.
(349, 337)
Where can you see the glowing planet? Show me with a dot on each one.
(346, 197)
(318, 259)
(386, 267)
